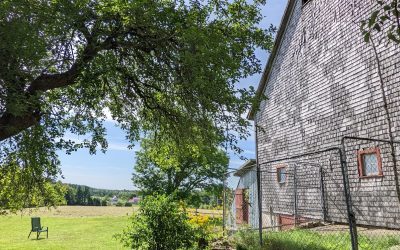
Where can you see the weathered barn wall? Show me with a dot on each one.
(324, 85)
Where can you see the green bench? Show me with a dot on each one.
(36, 227)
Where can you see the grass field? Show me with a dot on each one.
(70, 227)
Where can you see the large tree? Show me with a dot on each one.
(167, 166)
(152, 65)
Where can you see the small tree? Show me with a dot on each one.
(103, 202)
(79, 196)
(87, 199)
(166, 166)
(70, 195)
(160, 224)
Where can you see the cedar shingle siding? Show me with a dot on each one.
(324, 85)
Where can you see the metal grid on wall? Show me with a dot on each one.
(324, 201)
(309, 203)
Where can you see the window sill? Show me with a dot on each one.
(371, 176)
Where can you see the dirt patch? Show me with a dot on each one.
(366, 231)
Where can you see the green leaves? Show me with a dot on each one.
(160, 224)
(166, 66)
(372, 19)
(384, 19)
(166, 166)
(367, 36)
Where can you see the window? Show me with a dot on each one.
(370, 163)
(281, 174)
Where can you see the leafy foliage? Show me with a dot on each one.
(386, 18)
(209, 197)
(166, 166)
(163, 66)
(17, 193)
(160, 224)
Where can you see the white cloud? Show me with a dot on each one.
(122, 147)
(249, 152)
(108, 115)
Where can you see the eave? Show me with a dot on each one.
(268, 68)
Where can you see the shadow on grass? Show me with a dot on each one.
(282, 244)
(40, 238)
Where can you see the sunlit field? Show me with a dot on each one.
(70, 227)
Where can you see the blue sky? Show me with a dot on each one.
(113, 170)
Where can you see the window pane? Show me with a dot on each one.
(370, 164)
(281, 175)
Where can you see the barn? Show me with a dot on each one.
(328, 128)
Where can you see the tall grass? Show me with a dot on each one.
(309, 240)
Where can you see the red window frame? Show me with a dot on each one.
(278, 168)
(360, 154)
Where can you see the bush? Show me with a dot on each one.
(128, 204)
(160, 224)
(202, 226)
(120, 204)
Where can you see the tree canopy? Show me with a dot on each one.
(165, 166)
(151, 65)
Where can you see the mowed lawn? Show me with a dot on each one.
(70, 227)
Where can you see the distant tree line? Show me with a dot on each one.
(87, 196)
(81, 195)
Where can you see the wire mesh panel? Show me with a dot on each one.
(374, 186)
(243, 206)
(230, 211)
(308, 200)
(303, 204)
(338, 198)
(309, 191)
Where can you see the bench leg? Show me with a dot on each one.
(37, 235)
(47, 233)
(29, 234)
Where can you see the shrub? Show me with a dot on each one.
(201, 225)
(120, 204)
(128, 204)
(160, 224)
